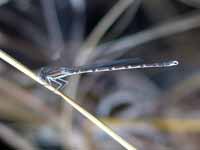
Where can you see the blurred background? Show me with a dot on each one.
(153, 109)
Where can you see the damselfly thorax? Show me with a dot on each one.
(57, 77)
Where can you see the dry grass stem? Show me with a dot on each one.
(87, 49)
(85, 113)
(11, 137)
(174, 125)
(177, 25)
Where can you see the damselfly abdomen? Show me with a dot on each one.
(57, 76)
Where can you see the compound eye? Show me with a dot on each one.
(42, 73)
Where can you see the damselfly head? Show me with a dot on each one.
(55, 76)
(44, 71)
(47, 71)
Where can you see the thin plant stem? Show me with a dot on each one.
(76, 106)
(91, 42)
(124, 44)
(93, 39)
(105, 23)
(174, 125)
(13, 138)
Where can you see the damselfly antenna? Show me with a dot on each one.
(57, 76)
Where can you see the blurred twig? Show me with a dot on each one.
(184, 88)
(91, 42)
(54, 30)
(124, 21)
(104, 24)
(85, 113)
(194, 3)
(14, 43)
(176, 125)
(19, 103)
(12, 138)
(30, 30)
(122, 45)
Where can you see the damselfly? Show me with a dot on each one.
(57, 76)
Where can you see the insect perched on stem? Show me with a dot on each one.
(57, 76)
